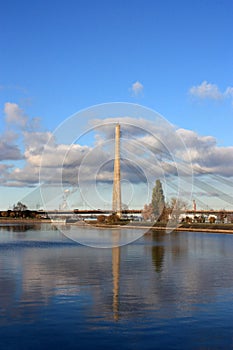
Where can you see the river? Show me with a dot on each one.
(161, 291)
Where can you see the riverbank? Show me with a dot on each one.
(14, 221)
(196, 227)
(192, 227)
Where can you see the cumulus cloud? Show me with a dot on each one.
(15, 115)
(131, 127)
(149, 149)
(229, 92)
(210, 91)
(9, 149)
(28, 176)
(205, 155)
(9, 136)
(137, 88)
(194, 142)
(4, 172)
(159, 147)
(9, 152)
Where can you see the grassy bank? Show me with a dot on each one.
(197, 227)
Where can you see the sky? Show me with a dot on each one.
(58, 59)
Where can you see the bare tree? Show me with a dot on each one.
(147, 212)
(176, 207)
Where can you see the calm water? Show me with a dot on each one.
(166, 291)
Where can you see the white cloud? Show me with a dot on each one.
(154, 147)
(137, 88)
(27, 176)
(9, 149)
(9, 152)
(158, 144)
(210, 91)
(193, 140)
(131, 127)
(205, 155)
(150, 149)
(37, 138)
(9, 136)
(206, 90)
(229, 92)
(15, 115)
(4, 172)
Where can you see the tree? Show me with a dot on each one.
(101, 219)
(212, 219)
(113, 219)
(147, 212)
(19, 207)
(176, 207)
(158, 200)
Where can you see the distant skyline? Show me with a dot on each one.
(174, 57)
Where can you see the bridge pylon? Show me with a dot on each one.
(116, 194)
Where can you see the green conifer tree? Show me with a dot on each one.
(158, 200)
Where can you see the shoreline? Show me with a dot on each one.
(186, 229)
(209, 228)
(24, 221)
(193, 227)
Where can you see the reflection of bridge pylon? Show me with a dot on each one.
(116, 273)
(116, 195)
(116, 276)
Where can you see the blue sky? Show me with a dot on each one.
(57, 58)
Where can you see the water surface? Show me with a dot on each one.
(165, 291)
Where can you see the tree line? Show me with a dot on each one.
(20, 211)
